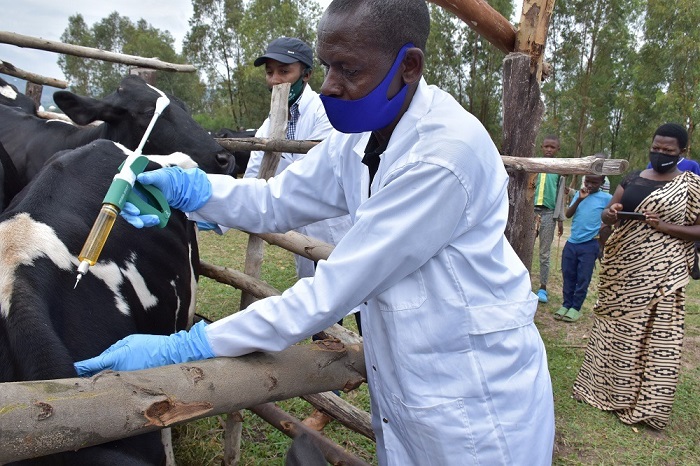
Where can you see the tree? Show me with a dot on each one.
(225, 38)
(119, 34)
(467, 66)
(667, 70)
(591, 48)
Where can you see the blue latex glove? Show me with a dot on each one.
(132, 214)
(208, 226)
(185, 190)
(145, 351)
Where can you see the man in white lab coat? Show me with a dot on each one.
(457, 370)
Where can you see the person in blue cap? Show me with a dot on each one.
(290, 60)
(456, 368)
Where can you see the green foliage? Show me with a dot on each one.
(467, 66)
(621, 68)
(225, 38)
(120, 35)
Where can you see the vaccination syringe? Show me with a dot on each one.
(148, 199)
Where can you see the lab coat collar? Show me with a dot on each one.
(307, 96)
(419, 107)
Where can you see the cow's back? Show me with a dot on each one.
(143, 283)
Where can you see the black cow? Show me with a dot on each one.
(10, 183)
(9, 180)
(144, 282)
(242, 156)
(10, 96)
(126, 113)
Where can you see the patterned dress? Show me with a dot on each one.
(632, 360)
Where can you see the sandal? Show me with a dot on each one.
(572, 315)
(560, 313)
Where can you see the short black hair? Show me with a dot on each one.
(552, 137)
(673, 130)
(393, 23)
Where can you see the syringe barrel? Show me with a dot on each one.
(99, 234)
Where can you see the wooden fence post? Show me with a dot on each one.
(522, 116)
(34, 91)
(147, 74)
(279, 111)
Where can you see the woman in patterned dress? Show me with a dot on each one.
(632, 360)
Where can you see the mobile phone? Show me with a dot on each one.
(630, 216)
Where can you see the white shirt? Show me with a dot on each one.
(457, 371)
(312, 125)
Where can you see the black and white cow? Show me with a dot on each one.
(126, 113)
(10, 184)
(9, 180)
(144, 282)
(10, 96)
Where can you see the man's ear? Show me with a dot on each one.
(306, 74)
(413, 65)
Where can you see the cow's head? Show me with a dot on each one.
(128, 111)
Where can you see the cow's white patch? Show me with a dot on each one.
(132, 274)
(8, 92)
(113, 277)
(193, 287)
(175, 159)
(173, 285)
(24, 240)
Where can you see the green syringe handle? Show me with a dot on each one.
(148, 199)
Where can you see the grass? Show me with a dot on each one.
(199, 443)
(584, 435)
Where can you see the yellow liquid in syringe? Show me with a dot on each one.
(96, 239)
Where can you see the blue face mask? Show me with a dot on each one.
(373, 111)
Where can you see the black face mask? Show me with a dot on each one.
(663, 163)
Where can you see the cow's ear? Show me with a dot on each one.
(83, 110)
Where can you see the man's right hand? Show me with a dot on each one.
(185, 190)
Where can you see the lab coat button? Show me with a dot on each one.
(385, 420)
(374, 368)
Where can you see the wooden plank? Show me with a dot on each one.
(44, 417)
(484, 19)
(531, 37)
(11, 70)
(88, 52)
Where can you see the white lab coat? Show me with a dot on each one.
(312, 125)
(457, 370)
